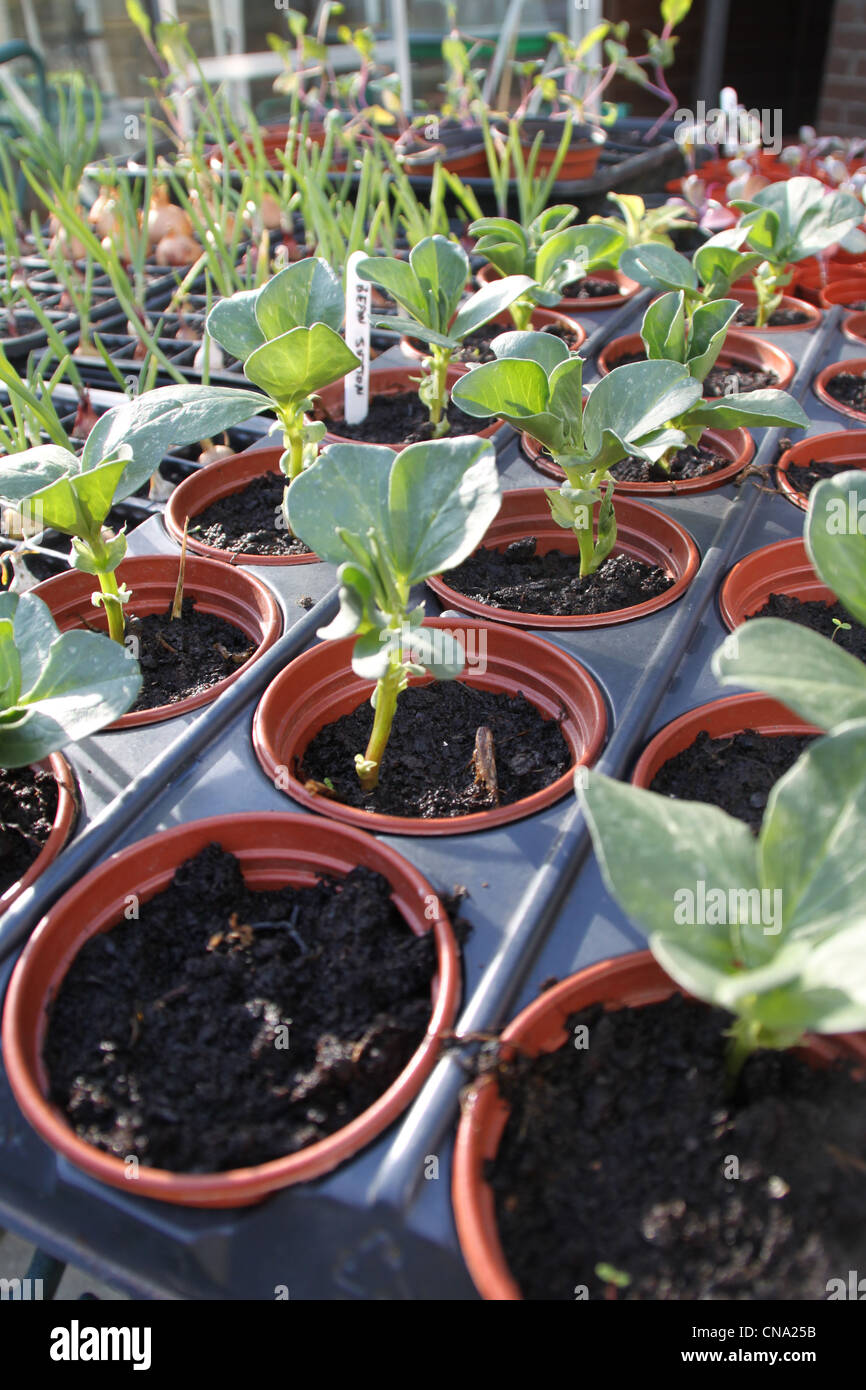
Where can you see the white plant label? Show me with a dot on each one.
(729, 103)
(357, 383)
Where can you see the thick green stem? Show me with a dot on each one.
(440, 362)
(113, 604)
(742, 1042)
(521, 313)
(387, 691)
(587, 549)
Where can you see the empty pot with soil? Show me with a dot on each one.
(329, 932)
(805, 464)
(228, 620)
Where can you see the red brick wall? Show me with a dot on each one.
(843, 98)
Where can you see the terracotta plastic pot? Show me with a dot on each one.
(857, 367)
(232, 594)
(461, 151)
(320, 686)
(812, 275)
(213, 482)
(839, 446)
(854, 326)
(736, 445)
(273, 849)
(629, 981)
(580, 162)
(61, 830)
(643, 532)
(622, 289)
(732, 714)
(851, 290)
(739, 347)
(541, 319)
(781, 568)
(750, 299)
(386, 381)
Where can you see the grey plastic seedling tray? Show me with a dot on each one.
(380, 1227)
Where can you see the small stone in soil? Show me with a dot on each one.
(524, 580)
(28, 805)
(249, 521)
(735, 773)
(402, 419)
(427, 768)
(819, 617)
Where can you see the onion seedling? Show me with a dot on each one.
(390, 521)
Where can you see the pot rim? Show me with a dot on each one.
(845, 441)
(761, 572)
(813, 313)
(576, 689)
(751, 710)
(400, 381)
(529, 517)
(62, 827)
(220, 477)
(853, 364)
(632, 980)
(202, 573)
(750, 347)
(290, 838)
(627, 289)
(737, 441)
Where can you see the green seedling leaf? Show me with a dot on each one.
(69, 685)
(835, 538)
(302, 361)
(658, 267)
(807, 672)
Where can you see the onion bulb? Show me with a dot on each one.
(177, 249)
(165, 219)
(210, 354)
(215, 452)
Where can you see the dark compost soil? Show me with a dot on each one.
(732, 378)
(28, 805)
(181, 657)
(249, 521)
(476, 348)
(591, 287)
(620, 1154)
(402, 419)
(819, 617)
(746, 317)
(804, 476)
(735, 773)
(849, 389)
(524, 581)
(168, 1037)
(695, 461)
(428, 768)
